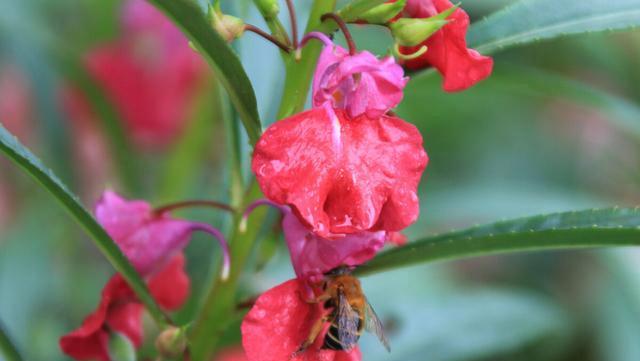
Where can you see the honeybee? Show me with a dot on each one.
(350, 313)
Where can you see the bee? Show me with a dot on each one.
(350, 313)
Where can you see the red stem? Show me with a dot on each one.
(294, 23)
(193, 203)
(267, 36)
(345, 30)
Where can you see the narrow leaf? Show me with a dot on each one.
(530, 20)
(220, 57)
(31, 165)
(585, 229)
(8, 350)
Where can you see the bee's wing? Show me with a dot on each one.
(347, 320)
(372, 324)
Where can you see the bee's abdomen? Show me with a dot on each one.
(332, 339)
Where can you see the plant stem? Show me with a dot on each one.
(193, 203)
(220, 303)
(294, 23)
(300, 71)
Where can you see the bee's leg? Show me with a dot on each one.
(313, 334)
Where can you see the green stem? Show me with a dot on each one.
(220, 303)
(275, 26)
(300, 71)
(8, 350)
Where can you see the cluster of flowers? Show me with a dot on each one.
(344, 174)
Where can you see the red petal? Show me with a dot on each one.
(447, 49)
(342, 175)
(90, 341)
(280, 321)
(170, 287)
(126, 319)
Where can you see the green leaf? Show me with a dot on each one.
(530, 20)
(8, 350)
(31, 165)
(220, 57)
(473, 325)
(529, 81)
(584, 229)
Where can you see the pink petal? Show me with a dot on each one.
(148, 240)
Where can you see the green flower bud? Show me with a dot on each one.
(411, 32)
(381, 14)
(268, 8)
(171, 343)
(229, 27)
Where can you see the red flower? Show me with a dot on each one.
(279, 323)
(342, 175)
(447, 49)
(119, 310)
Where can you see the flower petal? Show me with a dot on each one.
(312, 256)
(342, 175)
(280, 321)
(90, 341)
(360, 83)
(170, 287)
(148, 240)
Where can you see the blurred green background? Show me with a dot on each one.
(551, 130)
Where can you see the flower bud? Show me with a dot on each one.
(121, 347)
(268, 8)
(382, 14)
(229, 27)
(172, 342)
(413, 31)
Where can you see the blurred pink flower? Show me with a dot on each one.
(16, 103)
(150, 73)
(312, 255)
(360, 83)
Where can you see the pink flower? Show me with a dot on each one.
(147, 239)
(280, 321)
(360, 83)
(119, 310)
(150, 74)
(447, 49)
(342, 175)
(312, 256)
(153, 243)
